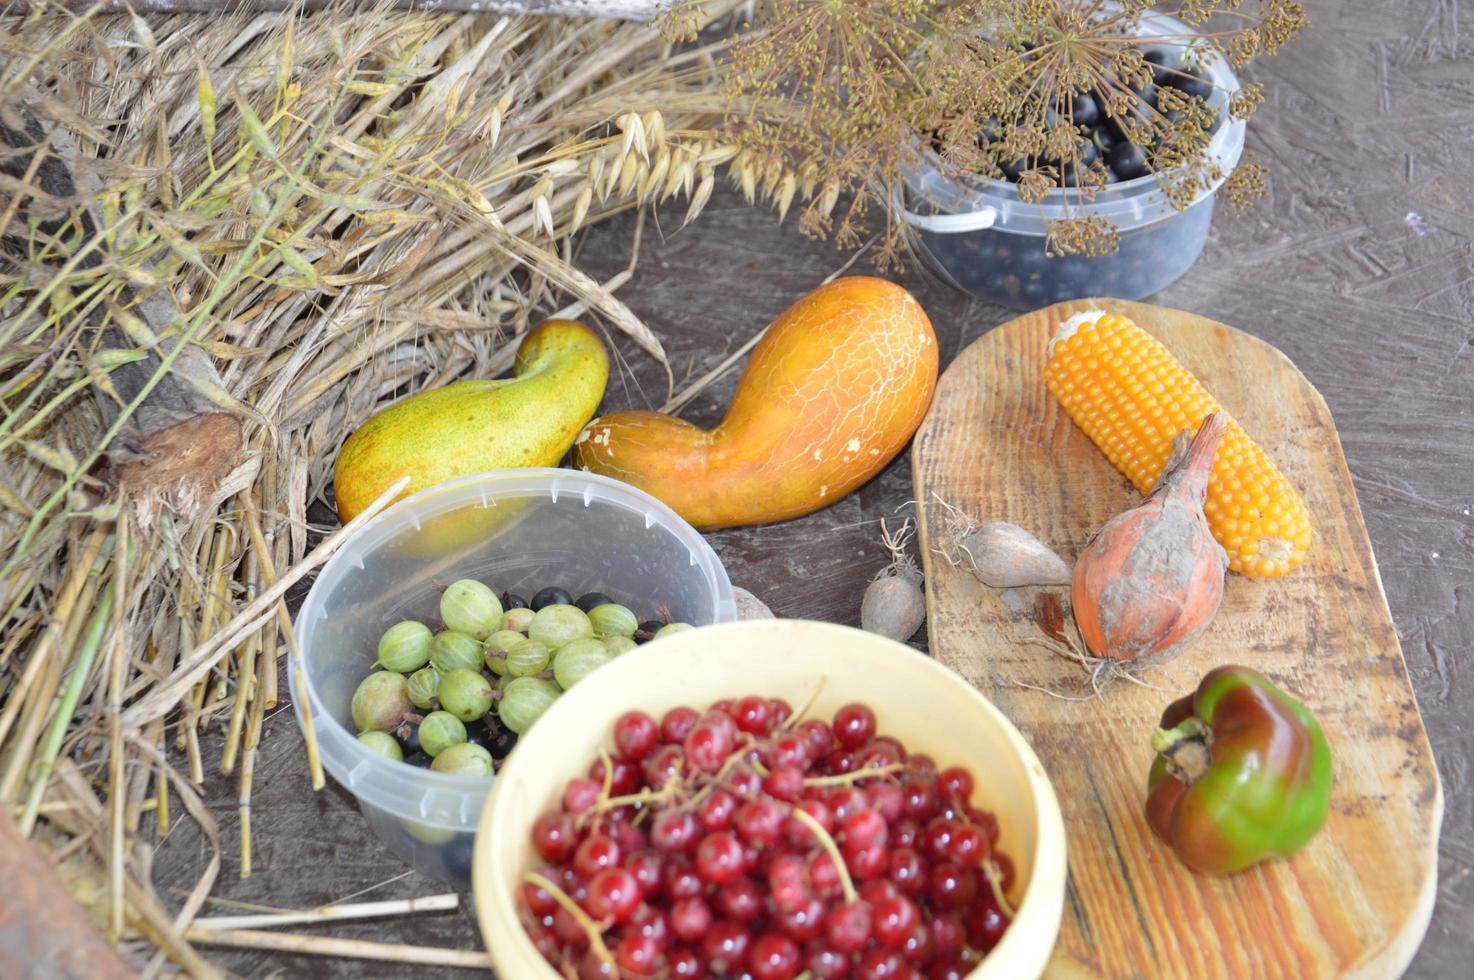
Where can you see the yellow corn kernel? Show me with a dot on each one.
(1128, 393)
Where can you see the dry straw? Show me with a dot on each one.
(244, 233)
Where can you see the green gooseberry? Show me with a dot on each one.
(670, 629)
(423, 684)
(528, 657)
(558, 624)
(439, 731)
(405, 647)
(382, 743)
(470, 607)
(612, 619)
(428, 833)
(453, 649)
(497, 645)
(619, 644)
(524, 700)
(465, 694)
(465, 759)
(579, 659)
(381, 701)
(518, 619)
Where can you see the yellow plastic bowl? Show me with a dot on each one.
(922, 703)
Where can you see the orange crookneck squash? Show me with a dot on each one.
(832, 393)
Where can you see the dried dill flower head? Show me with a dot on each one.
(1051, 95)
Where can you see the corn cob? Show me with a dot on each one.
(1128, 393)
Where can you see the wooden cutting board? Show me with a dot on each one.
(1356, 902)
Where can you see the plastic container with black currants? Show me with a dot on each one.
(983, 238)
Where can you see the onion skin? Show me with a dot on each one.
(831, 394)
(1151, 580)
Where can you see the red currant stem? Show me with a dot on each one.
(845, 778)
(995, 882)
(803, 709)
(589, 926)
(825, 841)
(671, 789)
(608, 774)
(760, 769)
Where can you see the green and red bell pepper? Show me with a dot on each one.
(1242, 774)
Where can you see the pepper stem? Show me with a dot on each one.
(1185, 747)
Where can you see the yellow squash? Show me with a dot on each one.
(529, 419)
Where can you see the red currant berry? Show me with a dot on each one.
(880, 964)
(781, 711)
(825, 962)
(568, 930)
(725, 947)
(677, 724)
(803, 921)
(629, 837)
(845, 802)
(591, 966)
(753, 716)
(947, 935)
(625, 778)
(684, 963)
(854, 725)
(690, 918)
(987, 823)
(877, 890)
(744, 782)
(580, 795)
(719, 858)
(554, 837)
(546, 942)
(916, 947)
(937, 838)
(968, 847)
(819, 736)
(919, 799)
(647, 867)
(651, 922)
(636, 735)
(950, 887)
(539, 900)
(951, 967)
(848, 927)
(885, 799)
(760, 822)
(840, 762)
(673, 832)
(708, 746)
(786, 881)
(681, 880)
(785, 783)
(866, 862)
(986, 924)
(664, 764)
(773, 957)
(717, 810)
(790, 750)
(798, 833)
(823, 876)
(894, 919)
(905, 832)
(596, 854)
(741, 900)
(863, 828)
(906, 871)
(638, 955)
(955, 783)
(613, 894)
(928, 767)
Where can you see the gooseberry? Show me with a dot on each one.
(381, 701)
(470, 607)
(405, 647)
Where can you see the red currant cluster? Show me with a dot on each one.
(737, 843)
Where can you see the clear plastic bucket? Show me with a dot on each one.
(516, 530)
(978, 234)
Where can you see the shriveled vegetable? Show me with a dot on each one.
(1151, 580)
(1005, 556)
(893, 605)
(1128, 393)
(832, 393)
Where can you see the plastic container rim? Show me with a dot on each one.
(374, 531)
(988, 200)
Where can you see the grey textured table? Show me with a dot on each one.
(1359, 266)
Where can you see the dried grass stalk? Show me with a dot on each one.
(331, 211)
